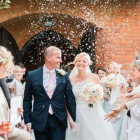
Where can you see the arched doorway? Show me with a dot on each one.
(9, 42)
(33, 50)
(87, 45)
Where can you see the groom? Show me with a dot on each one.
(52, 93)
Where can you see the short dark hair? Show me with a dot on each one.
(100, 68)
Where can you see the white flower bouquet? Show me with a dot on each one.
(92, 93)
(110, 81)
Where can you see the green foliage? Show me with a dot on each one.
(5, 4)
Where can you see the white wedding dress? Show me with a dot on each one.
(90, 121)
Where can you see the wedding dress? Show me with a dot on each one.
(90, 121)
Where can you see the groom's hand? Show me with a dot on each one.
(29, 128)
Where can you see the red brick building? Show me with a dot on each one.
(116, 25)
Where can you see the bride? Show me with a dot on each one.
(90, 123)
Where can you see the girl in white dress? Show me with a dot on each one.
(112, 102)
(90, 123)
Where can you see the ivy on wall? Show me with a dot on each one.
(5, 4)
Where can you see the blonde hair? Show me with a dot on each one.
(50, 50)
(8, 53)
(17, 68)
(81, 55)
(6, 57)
(116, 65)
(136, 64)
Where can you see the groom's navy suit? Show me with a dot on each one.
(62, 96)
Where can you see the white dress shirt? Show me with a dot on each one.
(46, 77)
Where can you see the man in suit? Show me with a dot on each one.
(52, 94)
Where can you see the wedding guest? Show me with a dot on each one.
(18, 73)
(15, 133)
(101, 72)
(114, 68)
(21, 87)
(9, 75)
(3, 81)
(132, 124)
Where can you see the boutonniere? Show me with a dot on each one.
(61, 71)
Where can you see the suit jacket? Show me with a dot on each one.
(62, 95)
(15, 133)
(5, 89)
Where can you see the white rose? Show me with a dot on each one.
(61, 71)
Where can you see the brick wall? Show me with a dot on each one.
(118, 40)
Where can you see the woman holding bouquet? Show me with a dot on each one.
(113, 84)
(90, 124)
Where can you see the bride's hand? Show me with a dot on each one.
(72, 124)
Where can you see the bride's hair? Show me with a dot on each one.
(81, 55)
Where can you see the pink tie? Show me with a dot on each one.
(51, 90)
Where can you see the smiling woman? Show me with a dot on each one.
(135, 73)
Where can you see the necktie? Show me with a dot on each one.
(51, 90)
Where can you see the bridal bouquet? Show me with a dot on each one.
(92, 93)
(110, 81)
